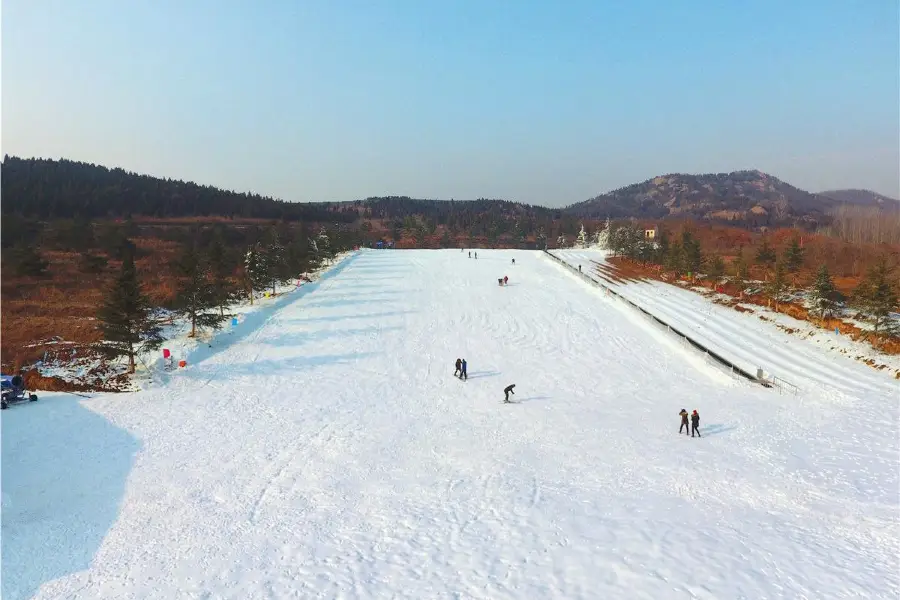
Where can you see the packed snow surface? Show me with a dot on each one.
(818, 363)
(326, 450)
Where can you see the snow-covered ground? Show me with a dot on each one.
(328, 451)
(813, 359)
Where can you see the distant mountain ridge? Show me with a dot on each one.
(749, 198)
(863, 198)
(49, 189)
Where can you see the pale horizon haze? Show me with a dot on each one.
(544, 103)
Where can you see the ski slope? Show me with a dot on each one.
(328, 452)
(747, 341)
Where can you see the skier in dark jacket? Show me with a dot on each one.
(507, 391)
(695, 423)
(18, 381)
(684, 422)
(458, 367)
(470, 254)
(463, 374)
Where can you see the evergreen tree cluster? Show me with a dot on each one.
(50, 189)
(681, 256)
(876, 299)
(126, 317)
(210, 275)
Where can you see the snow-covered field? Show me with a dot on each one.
(813, 359)
(327, 451)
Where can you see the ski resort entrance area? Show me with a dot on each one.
(327, 450)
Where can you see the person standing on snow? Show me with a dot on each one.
(505, 280)
(695, 423)
(463, 374)
(458, 367)
(476, 255)
(513, 261)
(684, 422)
(470, 254)
(18, 381)
(507, 391)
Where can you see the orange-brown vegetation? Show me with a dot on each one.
(846, 261)
(38, 312)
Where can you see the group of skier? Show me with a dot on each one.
(461, 372)
(690, 422)
(695, 422)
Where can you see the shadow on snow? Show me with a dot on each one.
(480, 374)
(61, 493)
(304, 337)
(336, 318)
(254, 320)
(262, 368)
(716, 429)
(358, 300)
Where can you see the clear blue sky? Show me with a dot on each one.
(548, 103)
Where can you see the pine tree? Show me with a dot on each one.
(256, 273)
(221, 266)
(715, 267)
(321, 245)
(693, 257)
(822, 296)
(275, 259)
(297, 257)
(27, 261)
(793, 256)
(630, 242)
(603, 237)
(325, 246)
(582, 237)
(126, 317)
(741, 273)
(765, 255)
(92, 263)
(644, 248)
(877, 299)
(777, 288)
(196, 297)
(674, 262)
(662, 250)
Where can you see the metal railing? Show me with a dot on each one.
(783, 386)
(710, 353)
